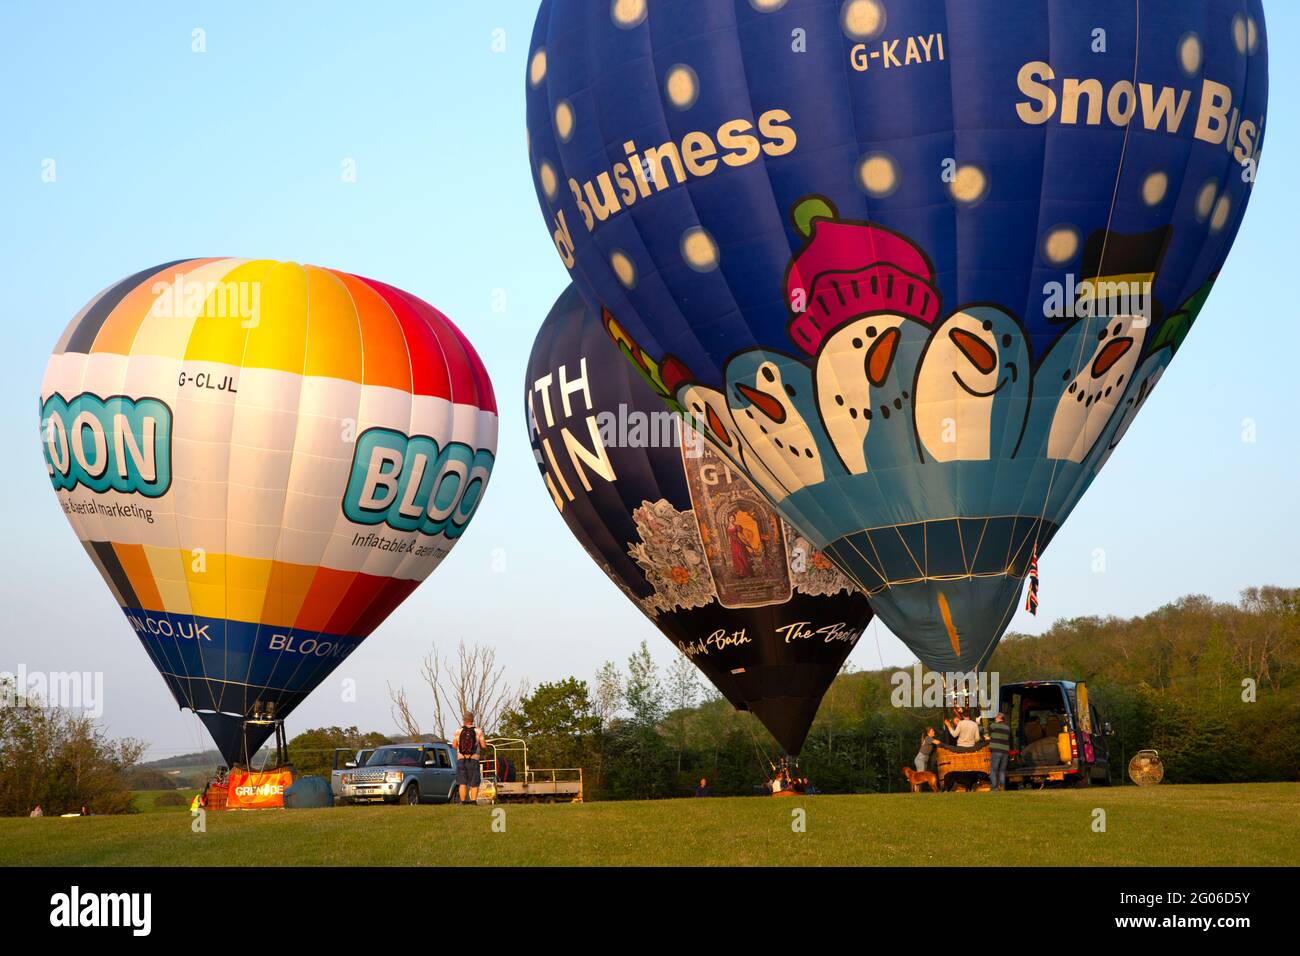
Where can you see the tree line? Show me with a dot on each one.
(1214, 687)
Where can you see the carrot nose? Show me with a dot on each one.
(881, 357)
(765, 403)
(1114, 350)
(715, 425)
(980, 355)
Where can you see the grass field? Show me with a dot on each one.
(1230, 825)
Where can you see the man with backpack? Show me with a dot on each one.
(469, 743)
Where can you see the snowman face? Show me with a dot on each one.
(710, 416)
(767, 393)
(1144, 382)
(1094, 392)
(861, 385)
(976, 362)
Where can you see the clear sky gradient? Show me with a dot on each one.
(160, 153)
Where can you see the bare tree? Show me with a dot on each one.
(402, 714)
(469, 680)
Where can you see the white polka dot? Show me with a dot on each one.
(1205, 199)
(970, 185)
(1061, 245)
(699, 250)
(564, 120)
(627, 13)
(862, 19)
(537, 67)
(767, 6)
(1190, 54)
(682, 86)
(878, 175)
(550, 182)
(623, 268)
(1222, 209)
(1155, 187)
(1240, 34)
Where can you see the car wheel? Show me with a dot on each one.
(455, 794)
(412, 795)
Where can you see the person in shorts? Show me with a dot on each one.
(469, 744)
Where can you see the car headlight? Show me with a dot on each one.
(347, 778)
(394, 776)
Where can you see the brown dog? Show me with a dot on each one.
(921, 778)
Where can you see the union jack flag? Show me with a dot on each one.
(1031, 599)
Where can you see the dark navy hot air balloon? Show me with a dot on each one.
(767, 618)
(912, 265)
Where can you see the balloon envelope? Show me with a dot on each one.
(263, 460)
(913, 266)
(767, 619)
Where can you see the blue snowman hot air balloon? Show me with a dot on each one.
(913, 266)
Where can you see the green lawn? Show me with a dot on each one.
(1232, 825)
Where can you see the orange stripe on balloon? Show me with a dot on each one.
(949, 626)
(118, 333)
(333, 336)
(136, 565)
(286, 590)
(385, 359)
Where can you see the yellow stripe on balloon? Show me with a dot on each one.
(278, 338)
(168, 568)
(221, 330)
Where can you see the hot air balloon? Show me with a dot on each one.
(765, 617)
(263, 460)
(913, 266)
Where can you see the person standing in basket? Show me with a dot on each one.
(469, 743)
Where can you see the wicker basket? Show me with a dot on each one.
(962, 761)
(1145, 769)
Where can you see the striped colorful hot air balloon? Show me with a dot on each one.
(263, 459)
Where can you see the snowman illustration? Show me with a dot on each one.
(707, 412)
(772, 404)
(973, 387)
(1081, 381)
(863, 301)
(1144, 382)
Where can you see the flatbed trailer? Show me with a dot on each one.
(507, 777)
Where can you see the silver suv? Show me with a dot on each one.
(403, 773)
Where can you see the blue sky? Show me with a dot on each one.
(162, 153)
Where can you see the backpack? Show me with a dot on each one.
(467, 742)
